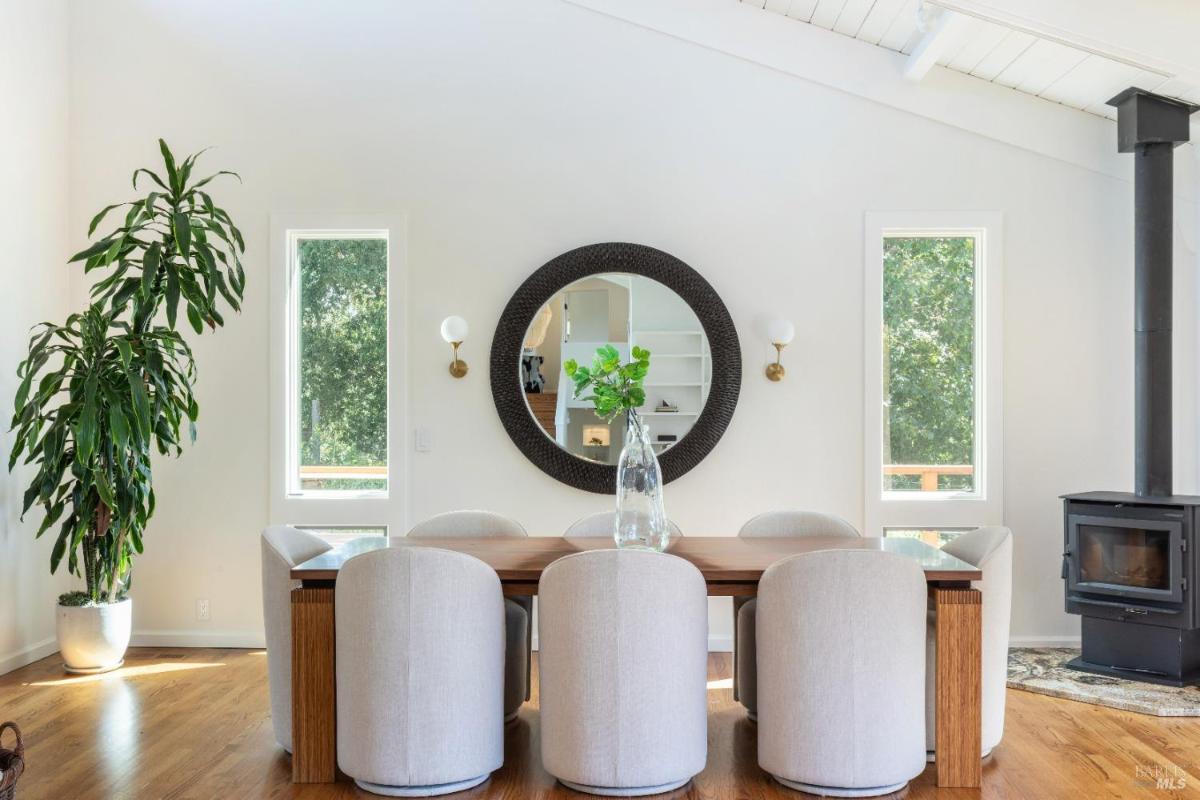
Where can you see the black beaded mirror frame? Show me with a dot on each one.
(560, 272)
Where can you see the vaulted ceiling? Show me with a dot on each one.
(984, 40)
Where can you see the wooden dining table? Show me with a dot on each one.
(731, 566)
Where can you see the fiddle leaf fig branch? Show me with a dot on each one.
(615, 387)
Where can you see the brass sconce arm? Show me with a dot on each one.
(458, 367)
(775, 372)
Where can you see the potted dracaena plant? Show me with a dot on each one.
(615, 389)
(113, 383)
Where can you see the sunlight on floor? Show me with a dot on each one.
(720, 683)
(124, 672)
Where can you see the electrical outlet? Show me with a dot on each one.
(202, 609)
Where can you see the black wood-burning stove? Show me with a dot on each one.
(1130, 560)
(1129, 564)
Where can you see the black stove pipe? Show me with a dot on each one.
(1150, 127)
(1152, 270)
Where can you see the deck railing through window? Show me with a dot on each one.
(928, 473)
(329, 472)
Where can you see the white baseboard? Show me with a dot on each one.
(254, 640)
(34, 652)
(1043, 641)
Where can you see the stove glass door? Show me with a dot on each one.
(1126, 557)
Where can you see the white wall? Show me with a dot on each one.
(34, 276)
(512, 132)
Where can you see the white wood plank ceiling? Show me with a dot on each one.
(989, 51)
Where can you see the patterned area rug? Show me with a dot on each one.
(1042, 670)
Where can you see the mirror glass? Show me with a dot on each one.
(622, 310)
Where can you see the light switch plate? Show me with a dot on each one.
(423, 439)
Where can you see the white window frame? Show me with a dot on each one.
(984, 505)
(288, 503)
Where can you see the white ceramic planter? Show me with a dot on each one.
(94, 638)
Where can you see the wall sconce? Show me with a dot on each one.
(454, 331)
(780, 332)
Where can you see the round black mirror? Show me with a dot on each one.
(624, 295)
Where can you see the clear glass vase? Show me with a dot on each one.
(641, 522)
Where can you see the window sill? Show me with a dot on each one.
(337, 494)
(931, 497)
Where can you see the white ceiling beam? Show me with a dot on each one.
(937, 26)
(1101, 28)
(992, 11)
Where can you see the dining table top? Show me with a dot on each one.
(720, 559)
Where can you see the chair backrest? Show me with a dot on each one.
(841, 667)
(610, 622)
(601, 524)
(991, 549)
(798, 523)
(420, 679)
(468, 524)
(283, 547)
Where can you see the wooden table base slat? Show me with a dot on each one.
(314, 688)
(959, 727)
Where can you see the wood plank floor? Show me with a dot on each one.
(184, 723)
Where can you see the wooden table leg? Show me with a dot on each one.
(314, 710)
(738, 602)
(959, 687)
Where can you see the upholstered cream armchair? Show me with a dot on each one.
(841, 672)
(518, 611)
(772, 523)
(419, 637)
(623, 640)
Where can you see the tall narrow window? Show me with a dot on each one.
(339, 392)
(933, 353)
(930, 383)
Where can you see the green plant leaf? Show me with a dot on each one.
(60, 545)
(172, 294)
(153, 176)
(92, 250)
(182, 228)
(52, 516)
(85, 434)
(194, 317)
(141, 404)
(96, 220)
(125, 351)
(169, 162)
(23, 390)
(119, 426)
(206, 181)
(150, 268)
